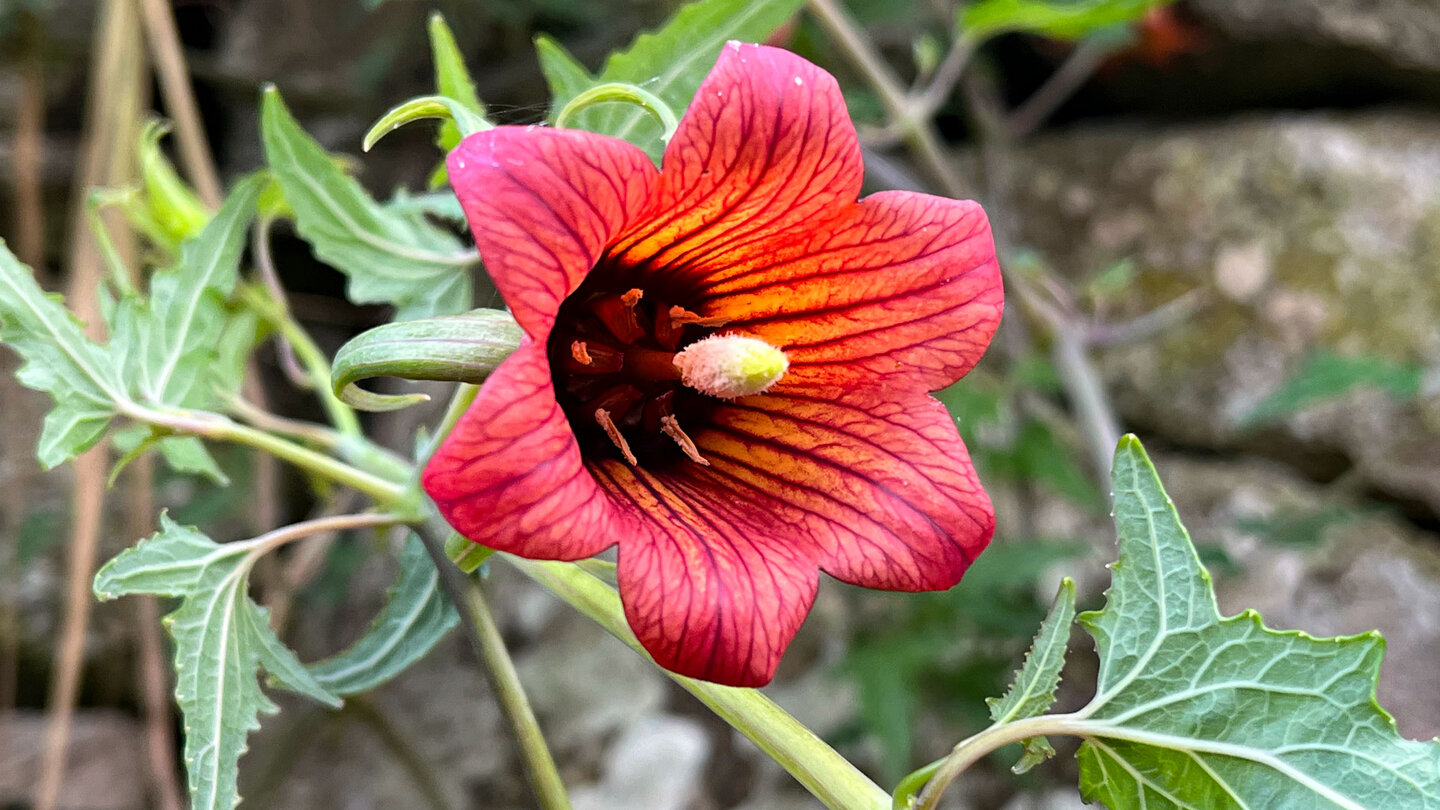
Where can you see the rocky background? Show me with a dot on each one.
(1276, 171)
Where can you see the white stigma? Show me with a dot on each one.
(731, 366)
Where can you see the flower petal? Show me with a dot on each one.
(767, 145)
(543, 204)
(711, 588)
(883, 487)
(900, 286)
(509, 475)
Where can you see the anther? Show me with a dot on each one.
(632, 297)
(593, 358)
(618, 315)
(602, 416)
(681, 316)
(670, 426)
(581, 354)
(667, 333)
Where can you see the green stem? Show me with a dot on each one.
(970, 750)
(817, 766)
(540, 766)
(316, 365)
(219, 428)
(459, 403)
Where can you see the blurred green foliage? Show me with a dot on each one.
(1326, 376)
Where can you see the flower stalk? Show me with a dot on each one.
(823, 771)
(220, 428)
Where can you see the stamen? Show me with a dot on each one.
(631, 298)
(682, 316)
(667, 333)
(619, 317)
(581, 354)
(670, 426)
(603, 417)
(588, 358)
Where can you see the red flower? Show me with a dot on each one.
(725, 510)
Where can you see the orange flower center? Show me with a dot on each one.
(612, 354)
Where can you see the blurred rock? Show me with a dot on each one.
(1399, 31)
(656, 764)
(1301, 233)
(1064, 799)
(105, 769)
(1342, 571)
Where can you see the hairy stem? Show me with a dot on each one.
(824, 772)
(464, 593)
(970, 750)
(540, 766)
(219, 428)
(316, 366)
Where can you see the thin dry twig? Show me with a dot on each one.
(918, 132)
(30, 148)
(151, 669)
(29, 244)
(169, 56)
(1077, 68)
(114, 111)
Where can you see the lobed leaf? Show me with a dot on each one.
(413, 621)
(169, 340)
(670, 63)
(1193, 710)
(221, 639)
(61, 361)
(420, 269)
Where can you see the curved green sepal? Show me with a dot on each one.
(175, 207)
(625, 93)
(454, 348)
(466, 121)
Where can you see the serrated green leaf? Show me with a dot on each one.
(420, 269)
(415, 618)
(564, 74)
(452, 78)
(59, 360)
(170, 339)
(1056, 19)
(187, 454)
(221, 639)
(1032, 692)
(1193, 710)
(670, 62)
(1326, 376)
(442, 204)
(184, 454)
